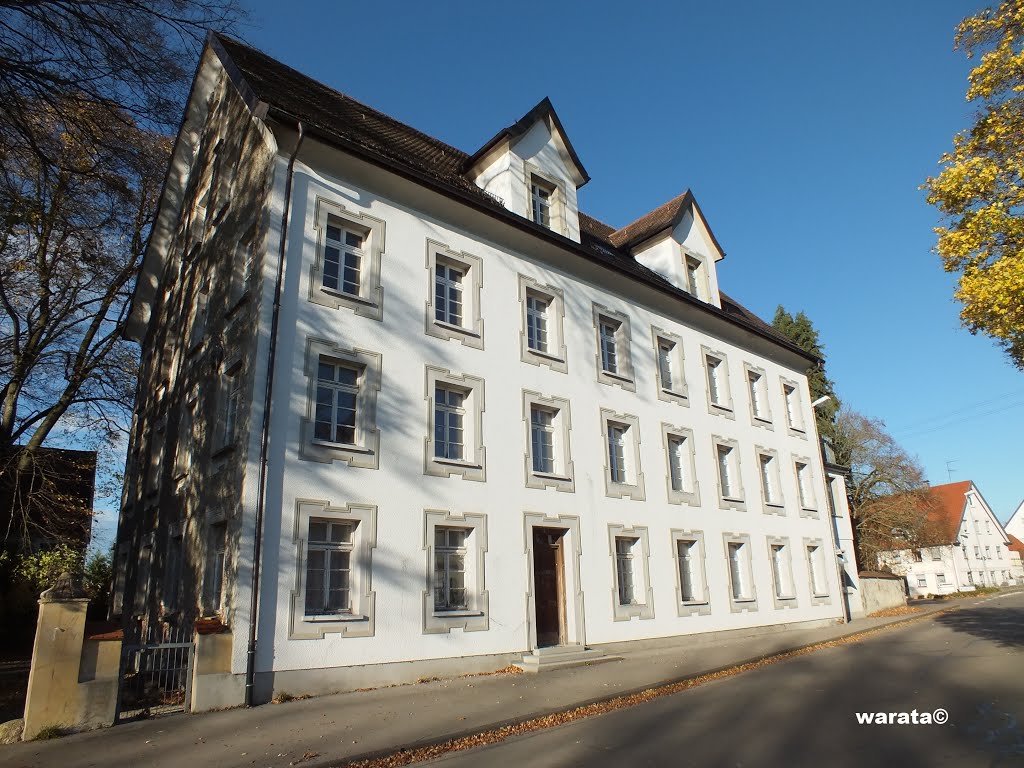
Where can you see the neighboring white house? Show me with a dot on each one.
(1015, 525)
(971, 548)
(451, 417)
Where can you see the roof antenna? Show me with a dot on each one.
(949, 468)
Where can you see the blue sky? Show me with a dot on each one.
(804, 130)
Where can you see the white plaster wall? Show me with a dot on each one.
(842, 522)
(401, 492)
(1015, 525)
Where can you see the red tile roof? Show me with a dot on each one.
(948, 508)
(1016, 545)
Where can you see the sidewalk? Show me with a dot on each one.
(331, 729)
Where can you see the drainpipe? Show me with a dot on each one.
(261, 499)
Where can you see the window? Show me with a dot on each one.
(624, 569)
(679, 453)
(988, 552)
(794, 417)
(999, 551)
(448, 285)
(343, 260)
(917, 555)
(622, 456)
(548, 461)
(231, 405)
(988, 526)
(341, 414)
(685, 554)
(455, 442)
(331, 592)
(804, 485)
(630, 552)
(197, 333)
(542, 195)
(940, 579)
(543, 315)
(936, 553)
(453, 309)
(455, 547)
(172, 573)
(609, 356)
(771, 490)
(970, 577)
(922, 581)
(216, 565)
(449, 433)
(693, 276)
(717, 380)
(977, 551)
(614, 362)
(671, 381)
(816, 571)
(782, 572)
(450, 569)
(184, 446)
(329, 567)
(727, 460)
(757, 390)
(346, 272)
(337, 389)
(741, 581)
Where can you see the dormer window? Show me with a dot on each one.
(542, 195)
(693, 276)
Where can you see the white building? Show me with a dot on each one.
(452, 418)
(1015, 525)
(971, 548)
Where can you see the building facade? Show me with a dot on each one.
(451, 418)
(971, 550)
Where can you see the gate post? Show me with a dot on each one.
(52, 698)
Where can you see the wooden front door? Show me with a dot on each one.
(548, 586)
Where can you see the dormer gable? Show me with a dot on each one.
(532, 167)
(675, 241)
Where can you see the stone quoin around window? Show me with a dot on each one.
(548, 462)
(620, 435)
(454, 281)
(454, 442)
(455, 594)
(341, 381)
(726, 453)
(794, 411)
(346, 270)
(542, 339)
(757, 395)
(669, 367)
(683, 487)
(806, 496)
(613, 358)
(692, 595)
(742, 590)
(632, 593)
(333, 548)
(770, 477)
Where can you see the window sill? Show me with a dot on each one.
(545, 355)
(674, 393)
(785, 597)
(694, 603)
(759, 422)
(224, 450)
(456, 328)
(730, 500)
(348, 296)
(719, 407)
(320, 618)
(775, 505)
(457, 463)
(817, 595)
(456, 614)
(347, 447)
(616, 376)
(551, 476)
(744, 600)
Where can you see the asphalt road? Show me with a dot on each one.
(802, 712)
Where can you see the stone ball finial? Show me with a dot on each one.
(67, 587)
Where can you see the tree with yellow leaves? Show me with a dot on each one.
(980, 190)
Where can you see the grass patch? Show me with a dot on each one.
(49, 732)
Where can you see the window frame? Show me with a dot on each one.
(369, 302)
(364, 453)
(679, 392)
(624, 374)
(633, 486)
(359, 621)
(700, 604)
(643, 592)
(747, 599)
(471, 330)
(700, 287)
(822, 596)
(557, 199)
(691, 496)
(777, 504)
(562, 478)
(806, 495)
(764, 419)
(555, 357)
(720, 374)
(215, 572)
(736, 499)
(783, 592)
(795, 419)
(476, 616)
(473, 465)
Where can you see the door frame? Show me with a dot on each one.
(573, 631)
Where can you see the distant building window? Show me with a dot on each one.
(940, 579)
(922, 581)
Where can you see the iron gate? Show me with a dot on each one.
(155, 677)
